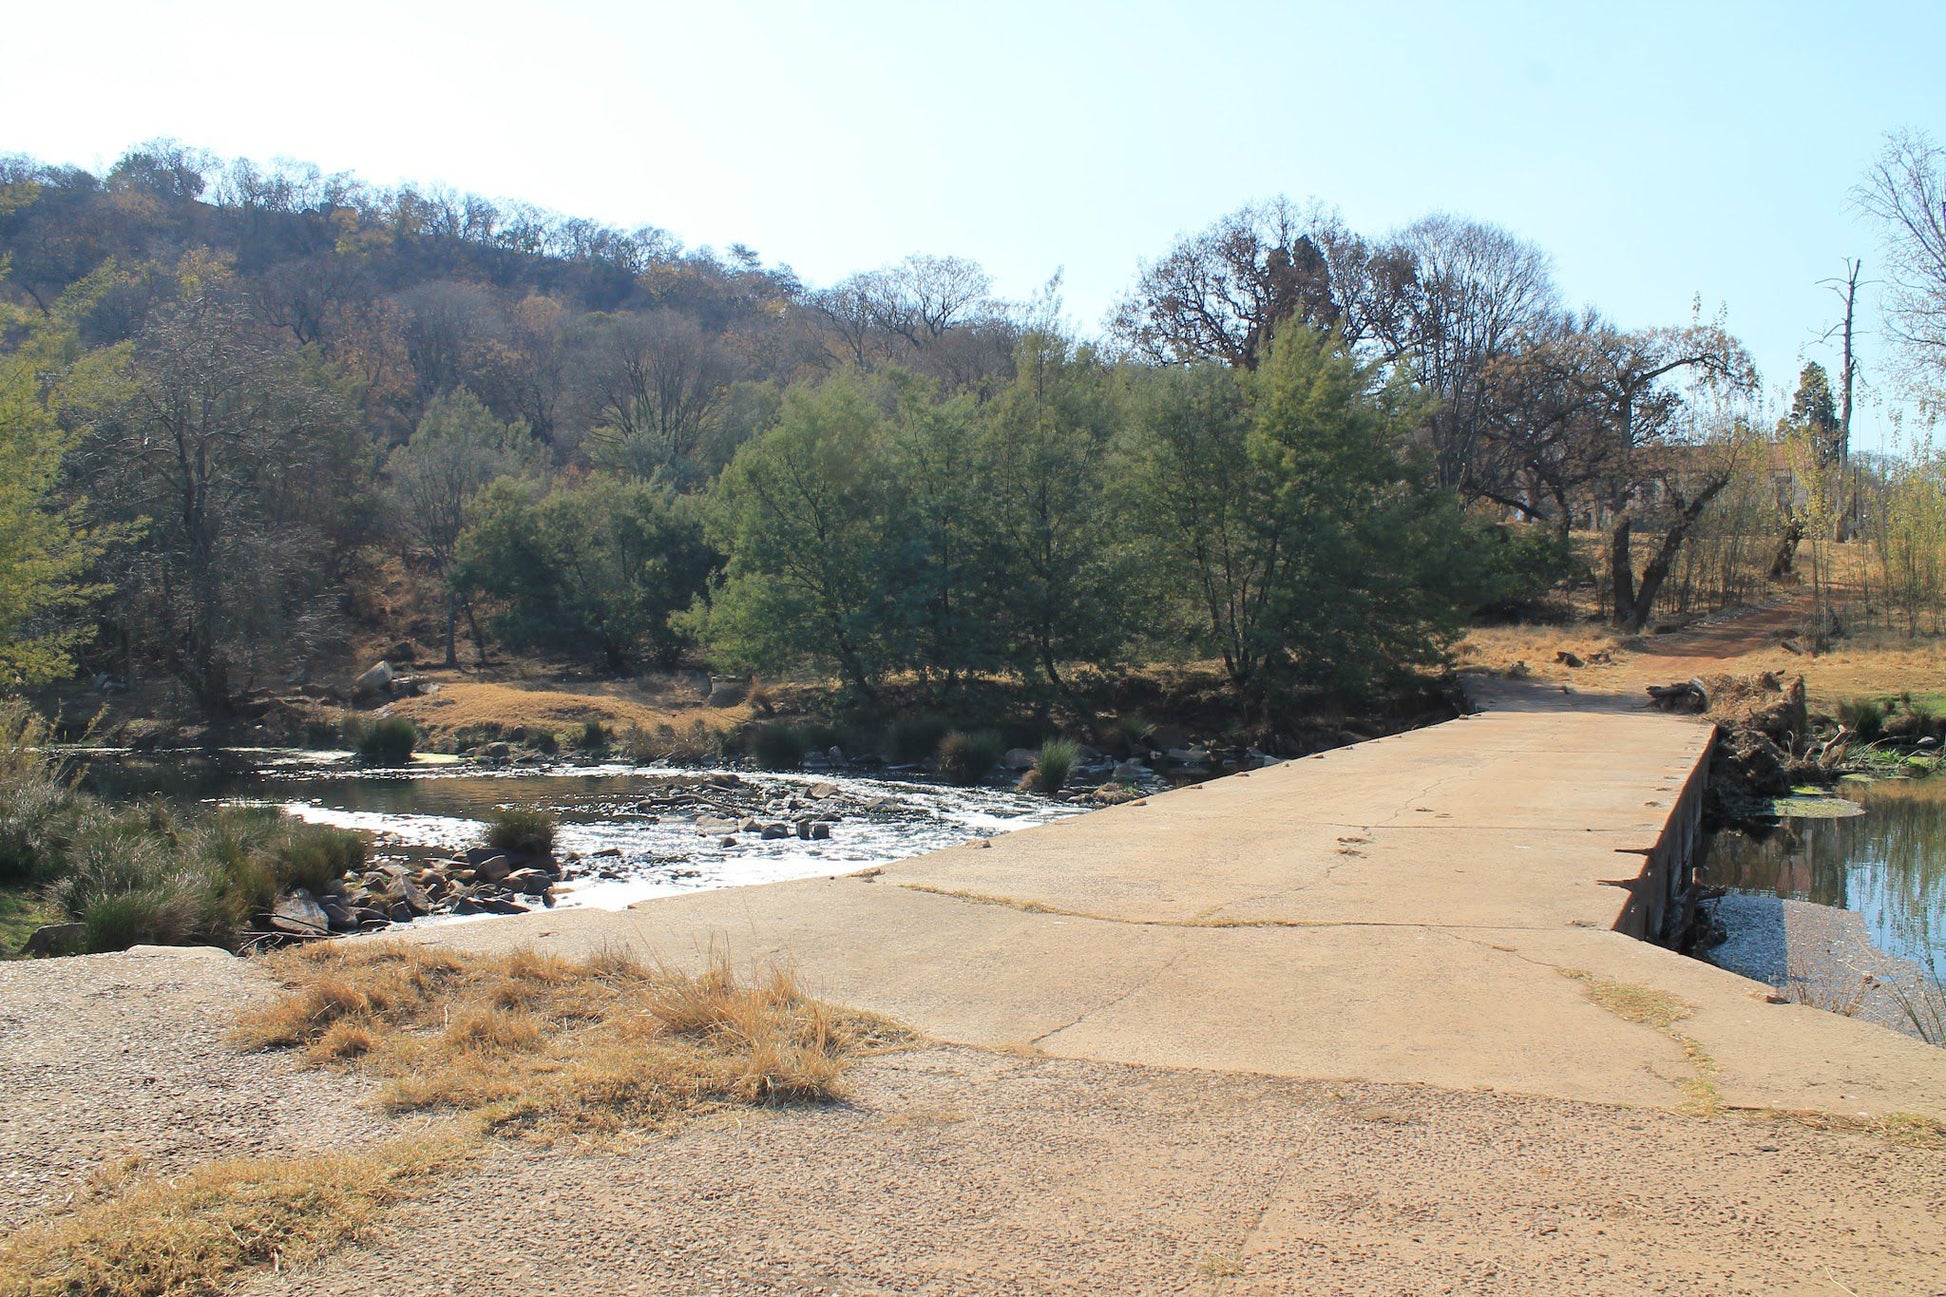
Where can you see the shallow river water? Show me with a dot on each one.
(1888, 864)
(645, 848)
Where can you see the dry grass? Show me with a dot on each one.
(607, 1048)
(195, 1233)
(1631, 1001)
(645, 704)
(1660, 1010)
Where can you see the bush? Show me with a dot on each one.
(1513, 568)
(594, 738)
(778, 746)
(522, 832)
(312, 856)
(1056, 763)
(387, 741)
(38, 807)
(819, 736)
(968, 758)
(1864, 717)
(911, 739)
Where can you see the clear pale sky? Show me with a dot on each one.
(1660, 152)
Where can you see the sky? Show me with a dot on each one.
(1664, 154)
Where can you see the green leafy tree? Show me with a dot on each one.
(599, 568)
(45, 548)
(812, 519)
(457, 450)
(1058, 577)
(1292, 508)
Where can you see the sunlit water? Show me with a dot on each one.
(1888, 864)
(653, 851)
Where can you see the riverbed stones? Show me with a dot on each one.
(299, 913)
(493, 869)
(54, 939)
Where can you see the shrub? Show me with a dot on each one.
(38, 807)
(911, 739)
(387, 741)
(968, 758)
(778, 746)
(1865, 717)
(312, 856)
(820, 735)
(521, 831)
(1056, 763)
(594, 738)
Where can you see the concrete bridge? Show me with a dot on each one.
(1464, 906)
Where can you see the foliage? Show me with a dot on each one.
(386, 741)
(1051, 769)
(604, 563)
(45, 547)
(1864, 717)
(1296, 516)
(969, 758)
(523, 831)
(778, 746)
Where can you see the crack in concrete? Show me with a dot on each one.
(1093, 1009)
(1039, 907)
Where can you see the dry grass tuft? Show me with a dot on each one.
(1630, 1001)
(605, 1048)
(194, 1233)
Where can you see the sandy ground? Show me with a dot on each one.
(120, 1058)
(956, 1170)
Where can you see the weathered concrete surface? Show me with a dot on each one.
(1405, 910)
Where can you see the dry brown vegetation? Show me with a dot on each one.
(605, 1048)
(462, 705)
(192, 1234)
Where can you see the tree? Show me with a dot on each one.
(811, 520)
(605, 564)
(1906, 190)
(45, 548)
(1474, 294)
(458, 449)
(655, 382)
(1220, 293)
(241, 461)
(1042, 456)
(1293, 508)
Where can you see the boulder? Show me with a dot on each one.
(1020, 759)
(773, 831)
(820, 831)
(54, 939)
(727, 692)
(374, 680)
(297, 912)
(493, 869)
(532, 882)
(416, 899)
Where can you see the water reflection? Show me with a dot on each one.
(1888, 864)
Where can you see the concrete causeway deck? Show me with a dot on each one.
(1453, 906)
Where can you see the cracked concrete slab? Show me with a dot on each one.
(1402, 910)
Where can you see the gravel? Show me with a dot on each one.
(954, 1170)
(119, 1057)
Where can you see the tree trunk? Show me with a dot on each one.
(1665, 556)
(1786, 557)
(1621, 567)
(452, 628)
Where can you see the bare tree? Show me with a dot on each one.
(1906, 191)
(1218, 294)
(654, 381)
(1473, 294)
